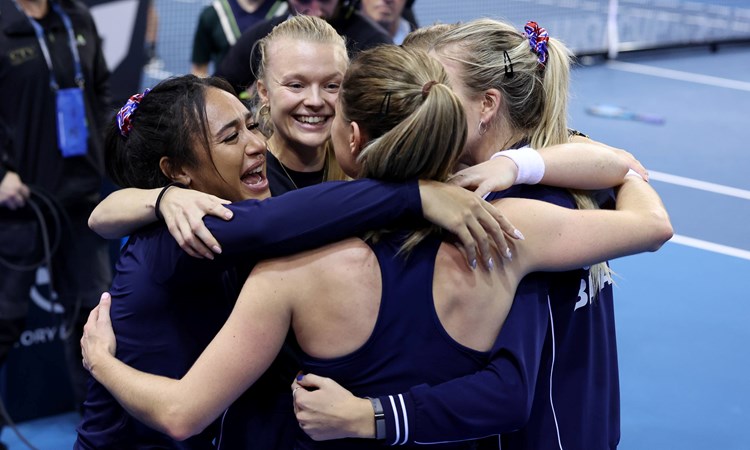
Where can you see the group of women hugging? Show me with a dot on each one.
(405, 249)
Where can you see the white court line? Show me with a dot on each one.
(710, 246)
(689, 182)
(711, 187)
(697, 184)
(678, 75)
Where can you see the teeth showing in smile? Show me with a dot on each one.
(254, 176)
(311, 119)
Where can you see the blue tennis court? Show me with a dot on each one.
(682, 312)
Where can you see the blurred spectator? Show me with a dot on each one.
(220, 25)
(389, 14)
(54, 83)
(152, 33)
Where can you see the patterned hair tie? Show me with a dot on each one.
(538, 39)
(123, 116)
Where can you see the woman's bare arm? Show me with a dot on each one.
(575, 165)
(562, 239)
(242, 350)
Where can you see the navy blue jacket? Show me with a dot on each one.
(535, 388)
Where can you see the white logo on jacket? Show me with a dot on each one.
(583, 292)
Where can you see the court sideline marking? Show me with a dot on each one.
(689, 182)
(710, 187)
(710, 246)
(698, 184)
(679, 75)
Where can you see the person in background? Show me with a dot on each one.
(219, 26)
(389, 14)
(240, 66)
(54, 83)
(409, 14)
(152, 36)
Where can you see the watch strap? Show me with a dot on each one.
(377, 406)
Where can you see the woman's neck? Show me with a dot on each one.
(36, 9)
(299, 160)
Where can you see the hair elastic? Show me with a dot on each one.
(427, 86)
(538, 39)
(164, 190)
(123, 115)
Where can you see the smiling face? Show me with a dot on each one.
(238, 152)
(300, 86)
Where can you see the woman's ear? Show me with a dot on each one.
(357, 138)
(491, 105)
(174, 173)
(262, 90)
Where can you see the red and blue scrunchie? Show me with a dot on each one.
(538, 39)
(123, 116)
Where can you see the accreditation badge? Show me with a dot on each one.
(72, 131)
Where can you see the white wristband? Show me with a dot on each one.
(529, 162)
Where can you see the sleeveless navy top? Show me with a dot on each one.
(408, 344)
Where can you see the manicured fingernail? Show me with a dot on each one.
(300, 377)
(491, 263)
(209, 255)
(518, 234)
(473, 264)
(509, 254)
(228, 214)
(216, 249)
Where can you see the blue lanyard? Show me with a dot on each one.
(45, 50)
